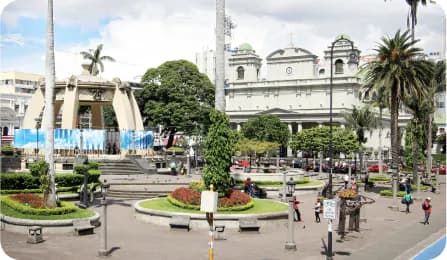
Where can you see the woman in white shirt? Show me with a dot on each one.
(317, 210)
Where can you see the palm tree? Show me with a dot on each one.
(50, 78)
(95, 58)
(397, 69)
(361, 120)
(413, 14)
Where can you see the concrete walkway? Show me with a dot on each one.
(387, 234)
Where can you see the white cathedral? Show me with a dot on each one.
(296, 89)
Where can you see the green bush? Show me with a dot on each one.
(197, 186)
(379, 178)
(22, 181)
(274, 183)
(65, 208)
(389, 193)
(38, 168)
(93, 165)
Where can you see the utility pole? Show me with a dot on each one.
(220, 55)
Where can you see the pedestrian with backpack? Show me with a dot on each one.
(426, 206)
(408, 200)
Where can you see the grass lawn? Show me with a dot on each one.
(260, 206)
(310, 183)
(79, 213)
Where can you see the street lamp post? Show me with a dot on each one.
(290, 244)
(353, 59)
(438, 166)
(38, 125)
(103, 251)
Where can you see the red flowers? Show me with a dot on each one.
(32, 200)
(192, 197)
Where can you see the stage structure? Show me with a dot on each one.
(71, 133)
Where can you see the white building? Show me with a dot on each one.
(297, 89)
(16, 89)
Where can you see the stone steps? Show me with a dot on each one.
(118, 167)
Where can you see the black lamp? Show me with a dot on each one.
(104, 188)
(291, 187)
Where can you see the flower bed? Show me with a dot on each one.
(190, 199)
(32, 204)
(348, 194)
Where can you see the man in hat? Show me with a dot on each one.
(426, 206)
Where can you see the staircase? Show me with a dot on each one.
(134, 194)
(118, 167)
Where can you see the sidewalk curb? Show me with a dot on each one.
(421, 246)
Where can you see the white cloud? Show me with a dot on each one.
(141, 34)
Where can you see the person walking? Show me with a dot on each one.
(426, 206)
(346, 180)
(317, 208)
(408, 200)
(297, 210)
(366, 180)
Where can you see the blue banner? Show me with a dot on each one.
(143, 140)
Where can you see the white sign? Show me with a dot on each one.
(330, 209)
(208, 201)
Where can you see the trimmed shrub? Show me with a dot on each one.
(180, 204)
(38, 168)
(65, 207)
(379, 178)
(59, 189)
(389, 193)
(22, 181)
(197, 186)
(93, 165)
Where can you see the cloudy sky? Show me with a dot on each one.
(141, 34)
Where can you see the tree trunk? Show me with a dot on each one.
(220, 58)
(415, 151)
(429, 144)
(394, 139)
(380, 142)
(50, 75)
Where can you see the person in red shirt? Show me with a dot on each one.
(426, 206)
(297, 210)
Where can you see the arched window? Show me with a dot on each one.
(321, 72)
(338, 67)
(5, 130)
(240, 72)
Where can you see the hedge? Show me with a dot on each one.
(65, 208)
(180, 204)
(59, 189)
(389, 193)
(379, 178)
(300, 181)
(22, 181)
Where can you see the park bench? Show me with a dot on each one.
(180, 221)
(248, 224)
(82, 227)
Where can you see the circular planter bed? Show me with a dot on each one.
(160, 210)
(20, 211)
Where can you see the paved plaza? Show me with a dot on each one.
(386, 234)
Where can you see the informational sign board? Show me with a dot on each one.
(208, 201)
(330, 209)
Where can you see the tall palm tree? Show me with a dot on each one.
(397, 69)
(95, 58)
(412, 14)
(50, 78)
(361, 120)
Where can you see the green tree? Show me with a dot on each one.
(410, 138)
(266, 128)
(96, 60)
(254, 148)
(360, 121)
(219, 147)
(176, 94)
(397, 69)
(314, 140)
